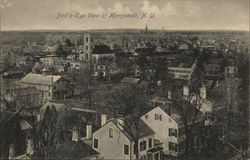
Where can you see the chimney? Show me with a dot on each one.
(75, 134)
(159, 83)
(203, 92)
(38, 117)
(29, 146)
(169, 94)
(185, 91)
(12, 151)
(104, 119)
(120, 122)
(89, 131)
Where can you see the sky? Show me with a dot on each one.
(160, 14)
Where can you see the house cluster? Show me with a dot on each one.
(91, 134)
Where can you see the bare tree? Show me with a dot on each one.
(13, 101)
(49, 131)
(188, 107)
(83, 81)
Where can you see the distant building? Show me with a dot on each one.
(181, 70)
(102, 60)
(51, 86)
(230, 71)
(114, 141)
(24, 61)
(88, 45)
(213, 69)
(102, 51)
(183, 46)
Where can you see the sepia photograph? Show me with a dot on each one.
(124, 80)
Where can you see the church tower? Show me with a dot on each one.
(146, 29)
(88, 45)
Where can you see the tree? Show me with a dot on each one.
(161, 70)
(82, 79)
(125, 64)
(188, 107)
(68, 43)
(61, 52)
(13, 101)
(37, 68)
(48, 132)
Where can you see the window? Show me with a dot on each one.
(87, 39)
(126, 149)
(150, 143)
(86, 47)
(110, 133)
(158, 117)
(143, 145)
(172, 146)
(172, 132)
(95, 143)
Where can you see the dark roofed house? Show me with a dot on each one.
(101, 49)
(116, 140)
(102, 58)
(75, 151)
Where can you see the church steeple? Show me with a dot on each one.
(146, 29)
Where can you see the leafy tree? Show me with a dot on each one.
(61, 52)
(125, 64)
(68, 43)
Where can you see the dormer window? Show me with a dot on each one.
(110, 133)
(158, 117)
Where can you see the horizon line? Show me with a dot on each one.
(27, 30)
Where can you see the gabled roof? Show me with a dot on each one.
(74, 107)
(144, 130)
(130, 132)
(74, 150)
(101, 49)
(32, 78)
(60, 107)
(130, 80)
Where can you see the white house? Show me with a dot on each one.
(114, 141)
(168, 130)
(181, 70)
(51, 86)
